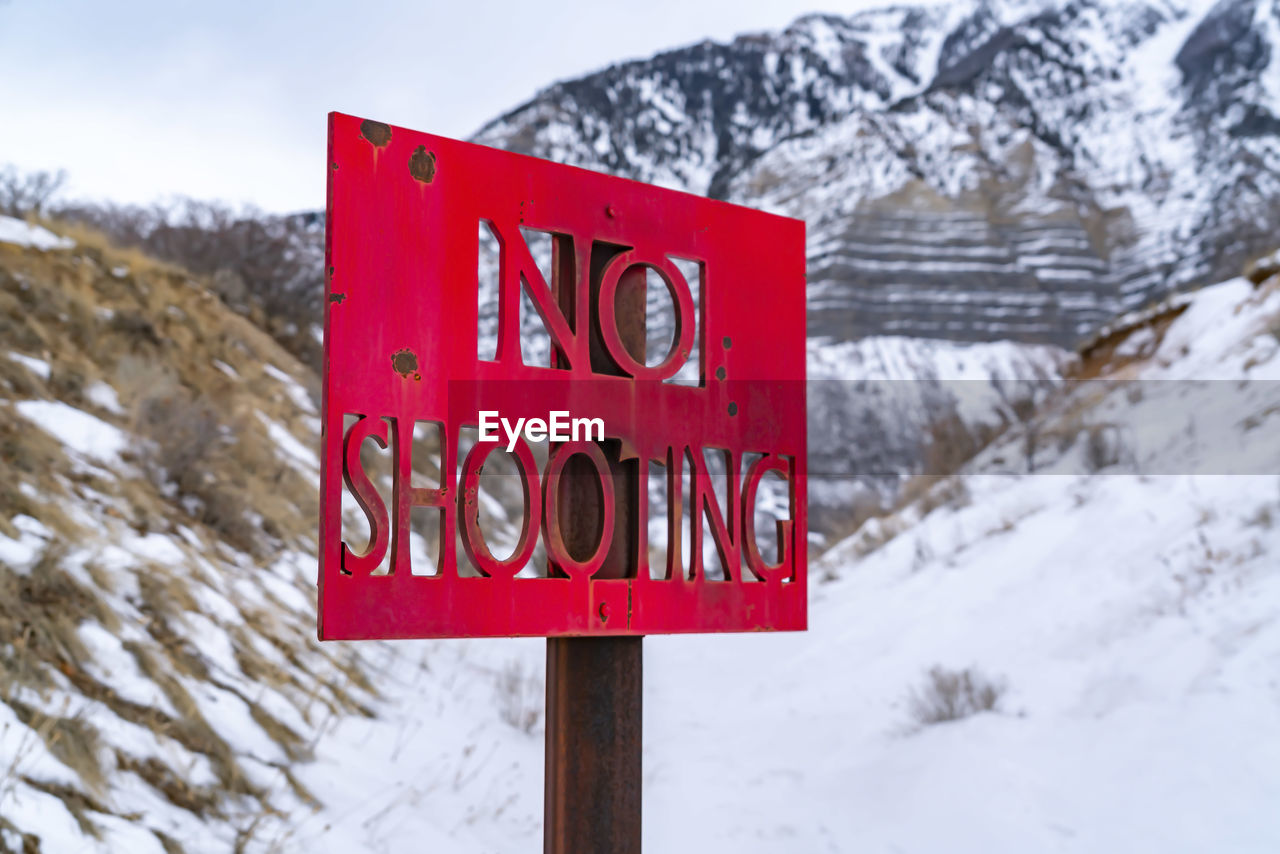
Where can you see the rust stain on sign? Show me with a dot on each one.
(376, 132)
(405, 362)
(422, 165)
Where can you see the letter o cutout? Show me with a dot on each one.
(468, 506)
(556, 548)
(781, 570)
(681, 300)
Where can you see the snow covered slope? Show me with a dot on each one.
(1132, 621)
(159, 682)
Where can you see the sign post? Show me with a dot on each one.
(717, 426)
(595, 696)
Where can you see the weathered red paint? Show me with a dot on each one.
(404, 210)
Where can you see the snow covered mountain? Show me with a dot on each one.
(976, 171)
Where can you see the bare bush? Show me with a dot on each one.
(1258, 270)
(949, 695)
(950, 492)
(519, 694)
(182, 436)
(929, 492)
(863, 507)
(949, 443)
(184, 447)
(1102, 447)
(1104, 444)
(24, 193)
(876, 533)
(1024, 410)
(1262, 518)
(222, 508)
(256, 261)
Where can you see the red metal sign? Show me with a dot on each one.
(405, 213)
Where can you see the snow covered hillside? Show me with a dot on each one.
(158, 480)
(1128, 623)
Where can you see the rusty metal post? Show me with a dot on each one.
(595, 684)
(593, 745)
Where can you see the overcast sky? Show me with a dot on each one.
(139, 99)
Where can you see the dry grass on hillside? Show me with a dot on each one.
(198, 387)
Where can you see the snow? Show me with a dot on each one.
(293, 448)
(112, 664)
(1138, 714)
(1127, 702)
(100, 394)
(21, 233)
(81, 432)
(33, 539)
(297, 394)
(39, 367)
(1134, 621)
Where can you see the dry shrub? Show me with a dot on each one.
(864, 507)
(198, 800)
(164, 597)
(17, 381)
(185, 447)
(520, 697)
(877, 533)
(183, 436)
(949, 443)
(930, 492)
(26, 451)
(77, 803)
(1024, 410)
(72, 741)
(223, 510)
(40, 612)
(23, 843)
(949, 695)
(1259, 269)
(1103, 443)
(285, 736)
(1102, 447)
(134, 328)
(1263, 518)
(67, 384)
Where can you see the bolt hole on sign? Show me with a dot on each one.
(651, 489)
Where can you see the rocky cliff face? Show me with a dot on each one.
(999, 170)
